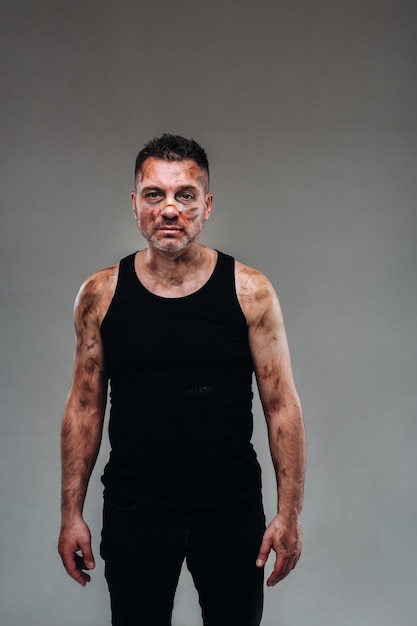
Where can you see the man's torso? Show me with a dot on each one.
(180, 371)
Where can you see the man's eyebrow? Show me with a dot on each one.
(182, 188)
(188, 187)
(151, 188)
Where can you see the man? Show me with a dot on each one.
(178, 329)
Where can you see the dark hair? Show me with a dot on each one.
(172, 148)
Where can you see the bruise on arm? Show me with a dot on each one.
(278, 394)
(267, 337)
(89, 377)
(82, 423)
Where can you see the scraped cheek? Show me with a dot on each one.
(147, 219)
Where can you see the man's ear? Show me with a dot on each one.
(209, 205)
(134, 207)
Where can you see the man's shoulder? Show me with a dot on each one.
(97, 291)
(250, 281)
(100, 281)
(254, 290)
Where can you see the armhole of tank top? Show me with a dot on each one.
(123, 269)
(244, 320)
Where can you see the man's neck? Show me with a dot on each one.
(175, 274)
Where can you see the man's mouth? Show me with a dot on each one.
(169, 229)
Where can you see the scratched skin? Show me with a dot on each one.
(82, 428)
(282, 411)
(175, 264)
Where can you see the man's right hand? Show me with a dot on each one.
(74, 547)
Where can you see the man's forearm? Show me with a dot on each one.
(288, 451)
(80, 443)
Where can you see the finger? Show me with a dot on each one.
(284, 564)
(79, 574)
(80, 563)
(264, 551)
(280, 567)
(73, 565)
(83, 562)
(87, 555)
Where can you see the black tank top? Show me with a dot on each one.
(180, 373)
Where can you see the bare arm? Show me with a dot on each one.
(82, 427)
(283, 415)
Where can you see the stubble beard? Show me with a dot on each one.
(173, 245)
(170, 245)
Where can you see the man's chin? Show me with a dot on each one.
(169, 245)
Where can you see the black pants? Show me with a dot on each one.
(144, 551)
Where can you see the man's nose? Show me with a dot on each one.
(170, 207)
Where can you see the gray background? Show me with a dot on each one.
(308, 112)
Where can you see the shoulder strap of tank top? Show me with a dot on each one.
(124, 279)
(224, 273)
(127, 268)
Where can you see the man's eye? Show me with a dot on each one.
(152, 195)
(187, 196)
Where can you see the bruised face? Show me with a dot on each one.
(171, 203)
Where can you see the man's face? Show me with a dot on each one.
(171, 203)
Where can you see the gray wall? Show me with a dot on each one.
(308, 111)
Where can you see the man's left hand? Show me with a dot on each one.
(285, 538)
